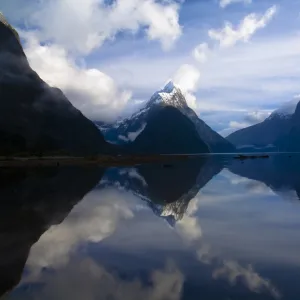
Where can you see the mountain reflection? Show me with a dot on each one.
(167, 189)
(49, 197)
(32, 201)
(230, 237)
(280, 173)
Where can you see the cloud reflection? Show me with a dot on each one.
(235, 273)
(92, 220)
(86, 279)
(57, 263)
(189, 229)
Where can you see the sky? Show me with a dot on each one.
(235, 60)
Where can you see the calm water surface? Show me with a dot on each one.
(207, 228)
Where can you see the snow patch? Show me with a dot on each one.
(133, 135)
(287, 109)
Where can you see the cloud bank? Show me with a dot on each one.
(83, 26)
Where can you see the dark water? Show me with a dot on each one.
(207, 228)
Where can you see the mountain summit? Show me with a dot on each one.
(127, 130)
(169, 95)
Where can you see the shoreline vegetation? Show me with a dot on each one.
(100, 160)
(117, 160)
(108, 160)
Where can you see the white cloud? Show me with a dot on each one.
(225, 3)
(250, 73)
(237, 125)
(186, 78)
(228, 36)
(233, 126)
(83, 26)
(249, 119)
(256, 116)
(90, 90)
(201, 52)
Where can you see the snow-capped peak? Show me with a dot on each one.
(169, 87)
(169, 95)
(287, 109)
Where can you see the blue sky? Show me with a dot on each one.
(235, 60)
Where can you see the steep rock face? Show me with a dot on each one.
(169, 131)
(128, 130)
(272, 131)
(35, 117)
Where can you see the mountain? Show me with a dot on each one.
(127, 131)
(31, 202)
(168, 131)
(34, 117)
(290, 141)
(270, 131)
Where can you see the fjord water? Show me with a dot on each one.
(206, 228)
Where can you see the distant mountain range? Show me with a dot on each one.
(168, 124)
(279, 132)
(35, 118)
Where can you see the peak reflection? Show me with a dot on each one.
(167, 189)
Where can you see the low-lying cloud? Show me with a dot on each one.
(93, 92)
